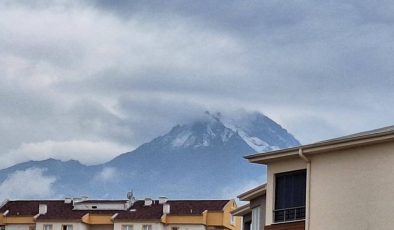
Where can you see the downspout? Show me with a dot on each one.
(308, 187)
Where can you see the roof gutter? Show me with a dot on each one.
(308, 186)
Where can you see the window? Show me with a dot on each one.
(232, 220)
(147, 227)
(47, 226)
(174, 228)
(32, 227)
(255, 218)
(67, 227)
(127, 227)
(290, 196)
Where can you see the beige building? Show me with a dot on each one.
(131, 214)
(344, 183)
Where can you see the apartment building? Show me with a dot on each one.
(343, 183)
(131, 214)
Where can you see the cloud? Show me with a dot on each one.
(28, 184)
(123, 73)
(107, 174)
(87, 152)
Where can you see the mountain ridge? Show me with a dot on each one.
(201, 157)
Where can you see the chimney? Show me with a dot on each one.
(166, 208)
(163, 200)
(148, 202)
(42, 209)
(68, 200)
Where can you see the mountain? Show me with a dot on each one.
(202, 159)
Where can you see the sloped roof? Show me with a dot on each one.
(253, 193)
(140, 212)
(189, 207)
(58, 210)
(242, 211)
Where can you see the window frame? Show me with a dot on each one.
(125, 227)
(232, 220)
(289, 211)
(47, 225)
(147, 225)
(255, 218)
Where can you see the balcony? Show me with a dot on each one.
(289, 214)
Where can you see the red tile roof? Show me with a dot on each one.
(140, 212)
(58, 210)
(193, 207)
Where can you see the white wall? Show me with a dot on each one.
(272, 169)
(99, 206)
(138, 226)
(17, 227)
(353, 189)
(186, 227)
(58, 225)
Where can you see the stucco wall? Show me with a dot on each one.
(17, 227)
(186, 227)
(138, 226)
(272, 169)
(353, 189)
(58, 225)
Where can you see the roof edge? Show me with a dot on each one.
(253, 193)
(323, 146)
(241, 211)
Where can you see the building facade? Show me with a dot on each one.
(253, 213)
(344, 183)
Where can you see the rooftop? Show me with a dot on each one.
(358, 139)
(58, 209)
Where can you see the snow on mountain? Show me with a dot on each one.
(208, 131)
(255, 128)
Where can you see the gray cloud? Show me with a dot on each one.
(121, 73)
(40, 186)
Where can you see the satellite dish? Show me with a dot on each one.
(130, 195)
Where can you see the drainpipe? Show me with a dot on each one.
(308, 187)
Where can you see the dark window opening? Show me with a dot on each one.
(290, 196)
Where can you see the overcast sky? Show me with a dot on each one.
(91, 79)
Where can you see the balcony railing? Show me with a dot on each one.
(289, 214)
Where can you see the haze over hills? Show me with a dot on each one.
(202, 159)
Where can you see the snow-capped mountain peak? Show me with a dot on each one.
(202, 133)
(215, 129)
